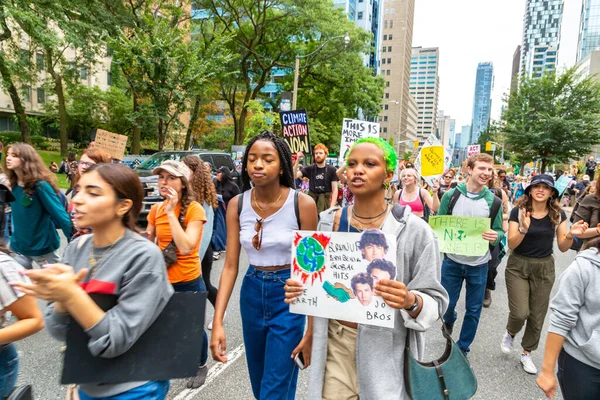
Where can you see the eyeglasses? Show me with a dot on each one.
(257, 239)
(86, 163)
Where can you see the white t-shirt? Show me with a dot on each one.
(9, 272)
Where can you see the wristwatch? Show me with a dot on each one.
(414, 306)
(521, 232)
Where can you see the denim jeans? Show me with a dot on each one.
(578, 381)
(7, 227)
(453, 275)
(197, 285)
(27, 261)
(271, 333)
(154, 390)
(9, 368)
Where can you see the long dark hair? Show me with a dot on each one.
(552, 204)
(33, 167)
(285, 159)
(127, 186)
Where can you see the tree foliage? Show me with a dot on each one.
(554, 119)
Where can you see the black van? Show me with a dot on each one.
(150, 182)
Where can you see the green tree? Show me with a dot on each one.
(553, 119)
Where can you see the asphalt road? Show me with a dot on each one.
(499, 376)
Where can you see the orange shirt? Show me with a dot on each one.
(187, 267)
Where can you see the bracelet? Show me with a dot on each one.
(414, 306)
(521, 232)
(597, 231)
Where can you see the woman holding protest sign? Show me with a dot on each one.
(416, 294)
(534, 222)
(262, 220)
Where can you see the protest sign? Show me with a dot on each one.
(461, 235)
(562, 183)
(352, 130)
(294, 126)
(432, 161)
(111, 143)
(473, 149)
(339, 270)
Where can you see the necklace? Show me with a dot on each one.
(93, 263)
(373, 220)
(368, 218)
(267, 207)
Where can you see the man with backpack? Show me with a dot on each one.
(471, 199)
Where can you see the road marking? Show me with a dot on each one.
(213, 373)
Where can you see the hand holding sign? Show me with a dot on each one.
(490, 235)
(394, 293)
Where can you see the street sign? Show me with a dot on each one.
(473, 150)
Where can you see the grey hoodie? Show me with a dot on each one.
(380, 351)
(574, 309)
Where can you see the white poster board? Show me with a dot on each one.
(352, 130)
(473, 150)
(339, 271)
(422, 166)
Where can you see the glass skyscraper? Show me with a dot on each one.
(482, 102)
(541, 29)
(589, 28)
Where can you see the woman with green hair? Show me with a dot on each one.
(349, 360)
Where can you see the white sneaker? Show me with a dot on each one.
(507, 343)
(528, 365)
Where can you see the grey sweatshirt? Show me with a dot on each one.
(134, 270)
(380, 351)
(574, 309)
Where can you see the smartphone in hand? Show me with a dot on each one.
(299, 360)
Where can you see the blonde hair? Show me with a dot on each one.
(414, 173)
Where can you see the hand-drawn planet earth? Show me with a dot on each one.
(310, 254)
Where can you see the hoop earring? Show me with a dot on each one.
(386, 185)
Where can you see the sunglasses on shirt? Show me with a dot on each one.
(257, 239)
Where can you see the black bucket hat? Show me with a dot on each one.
(546, 180)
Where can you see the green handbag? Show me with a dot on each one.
(448, 378)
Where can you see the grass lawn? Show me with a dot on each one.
(48, 157)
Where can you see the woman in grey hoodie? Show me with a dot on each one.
(574, 332)
(351, 360)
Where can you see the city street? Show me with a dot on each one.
(499, 376)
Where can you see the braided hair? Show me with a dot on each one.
(285, 159)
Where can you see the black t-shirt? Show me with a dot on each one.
(539, 239)
(319, 178)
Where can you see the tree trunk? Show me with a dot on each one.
(161, 135)
(14, 96)
(543, 166)
(241, 126)
(62, 107)
(136, 145)
(193, 119)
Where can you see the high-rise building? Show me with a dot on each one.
(514, 76)
(482, 101)
(541, 36)
(445, 129)
(465, 136)
(589, 28)
(424, 87)
(396, 29)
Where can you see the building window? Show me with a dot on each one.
(385, 107)
(108, 78)
(39, 62)
(390, 37)
(385, 118)
(384, 130)
(26, 93)
(388, 72)
(359, 16)
(389, 48)
(83, 73)
(391, 23)
(387, 95)
(387, 84)
(384, 37)
(41, 96)
(389, 60)
(384, 49)
(383, 61)
(385, 24)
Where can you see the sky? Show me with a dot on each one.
(468, 32)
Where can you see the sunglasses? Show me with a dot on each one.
(448, 177)
(257, 239)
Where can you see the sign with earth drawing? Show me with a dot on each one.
(339, 271)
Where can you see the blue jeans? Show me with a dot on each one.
(197, 285)
(453, 275)
(7, 227)
(271, 333)
(9, 368)
(27, 261)
(154, 390)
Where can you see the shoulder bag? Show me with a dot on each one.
(170, 252)
(450, 377)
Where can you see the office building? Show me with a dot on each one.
(398, 115)
(514, 75)
(424, 87)
(445, 129)
(541, 36)
(589, 28)
(482, 101)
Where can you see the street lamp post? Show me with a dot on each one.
(346, 38)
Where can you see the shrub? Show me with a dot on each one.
(8, 137)
(40, 142)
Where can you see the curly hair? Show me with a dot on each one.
(187, 197)
(201, 181)
(285, 159)
(389, 154)
(33, 167)
(321, 146)
(553, 205)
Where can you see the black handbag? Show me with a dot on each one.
(21, 393)
(170, 254)
(450, 377)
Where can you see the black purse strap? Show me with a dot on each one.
(440, 374)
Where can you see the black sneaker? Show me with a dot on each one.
(198, 380)
(449, 328)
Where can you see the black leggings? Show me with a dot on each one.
(578, 381)
(207, 262)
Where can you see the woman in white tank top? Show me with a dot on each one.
(264, 225)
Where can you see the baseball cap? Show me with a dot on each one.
(175, 168)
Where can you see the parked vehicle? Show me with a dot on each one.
(216, 160)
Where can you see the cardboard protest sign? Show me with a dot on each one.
(352, 130)
(473, 149)
(294, 126)
(339, 271)
(111, 143)
(562, 183)
(432, 161)
(461, 235)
